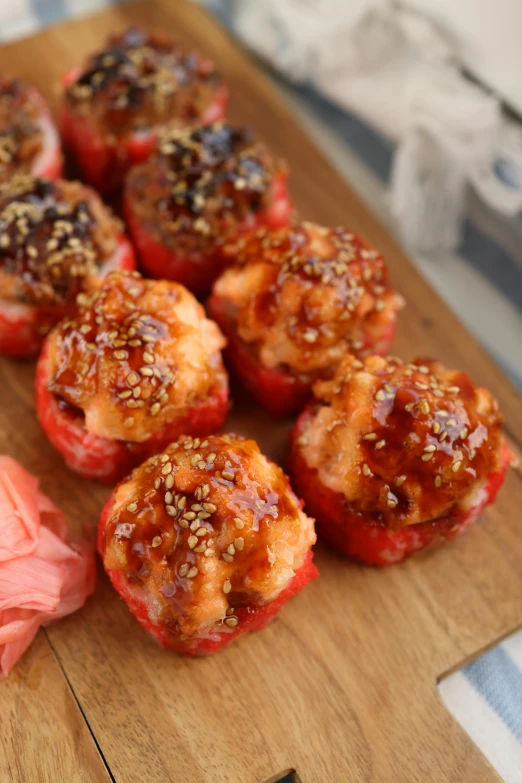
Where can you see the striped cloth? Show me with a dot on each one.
(482, 281)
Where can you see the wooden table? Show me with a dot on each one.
(342, 686)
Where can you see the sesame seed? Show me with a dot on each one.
(196, 507)
(427, 457)
(436, 427)
(133, 379)
(209, 552)
(399, 481)
(424, 406)
(472, 453)
(170, 509)
(154, 409)
(193, 572)
(211, 457)
(409, 407)
(192, 541)
(239, 543)
(183, 523)
(204, 515)
(169, 497)
(443, 436)
(146, 371)
(370, 436)
(464, 433)
(182, 502)
(210, 507)
(120, 355)
(431, 447)
(456, 466)
(227, 586)
(310, 336)
(167, 467)
(421, 385)
(201, 531)
(189, 515)
(366, 469)
(380, 444)
(85, 328)
(228, 558)
(391, 503)
(129, 422)
(231, 621)
(452, 422)
(454, 389)
(156, 541)
(131, 404)
(132, 507)
(169, 482)
(157, 483)
(228, 475)
(443, 414)
(124, 395)
(239, 523)
(438, 481)
(231, 549)
(380, 396)
(184, 569)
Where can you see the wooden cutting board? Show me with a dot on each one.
(342, 686)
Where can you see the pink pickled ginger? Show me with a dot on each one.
(42, 577)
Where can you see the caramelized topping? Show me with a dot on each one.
(403, 443)
(53, 235)
(208, 527)
(305, 296)
(21, 136)
(203, 183)
(141, 79)
(139, 354)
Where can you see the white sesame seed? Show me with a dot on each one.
(399, 481)
(169, 498)
(156, 541)
(132, 507)
(366, 469)
(209, 552)
(231, 621)
(239, 523)
(193, 572)
(370, 436)
(129, 422)
(169, 483)
(184, 569)
(431, 447)
(438, 481)
(427, 457)
(201, 531)
(456, 466)
(192, 541)
(228, 558)
(228, 475)
(154, 409)
(239, 543)
(227, 587)
(380, 444)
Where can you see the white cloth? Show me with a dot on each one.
(398, 71)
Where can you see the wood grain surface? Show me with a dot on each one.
(342, 686)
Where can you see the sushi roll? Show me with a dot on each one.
(29, 141)
(294, 302)
(202, 187)
(392, 458)
(56, 239)
(206, 542)
(138, 365)
(115, 103)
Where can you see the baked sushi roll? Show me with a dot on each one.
(202, 187)
(294, 302)
(29, 141)
(206, 542)
(139, 365)
(56, 240)
(115, 103)
(392, 458)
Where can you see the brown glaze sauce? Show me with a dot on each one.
(427, 436)
(204, 182)
(21, 137)
(141, 79)
(118, 355)
(321, 292)
(53, 235)
(194, 524)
